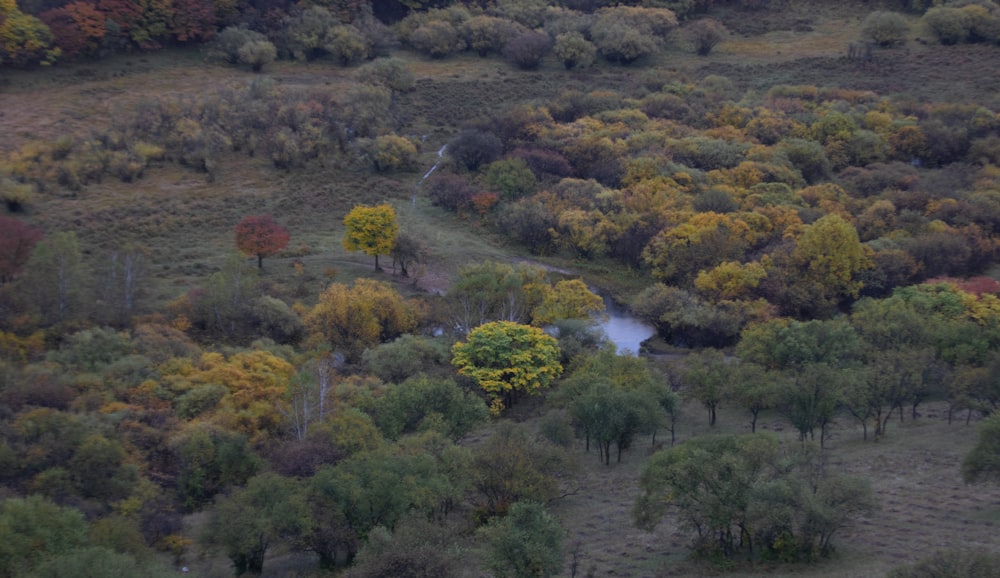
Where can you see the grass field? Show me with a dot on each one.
(186, 222)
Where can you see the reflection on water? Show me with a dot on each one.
(624, 330)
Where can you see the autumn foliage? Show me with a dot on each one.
(261, 236)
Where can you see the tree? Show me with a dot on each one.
(257, 53)
(261, 236)
(372, 230)
(831, 256)
(754, 389)
(33, 529)
(514, 465)
(567, 299)
(741, 495)
(250, 520)
(57, 277)
(17, 240)
(574, 50)
(24, 39)
(507, 359)
(885, 29)
(423, 403)
(982, 464)
(707, 377)
(352, 319)
(704, 34)
(493, 291)
(526, 543)
(416, 548)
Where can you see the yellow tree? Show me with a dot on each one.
(569, 299)
(372, 230)
(506, 359)
(352, 319)
(831, 256)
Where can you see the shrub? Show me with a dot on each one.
(450, 192)
(527, 50)
(437, 39)
(473, 148)
(257, 54)
(510, 177)
(347, 44)
(391, 152)
(530, 223)
(391, 73)
(948, 25)
(226, 46)
(808, 157)
(544, 161)
(307, 35)
(619, 42)
(885, 28)
(488, 34)
(704, 35)
(575, 51)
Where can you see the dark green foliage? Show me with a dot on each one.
(512, 466)
(416, 548)
(424, 403)
(392, 73)
(209, 461)
(33, 529)
(687, 320)
(982, 464)
(741, 496)
(714, 200)
(227, 44)
(526, 543)
(511, 178)
(407, 356)
(473, 148)
(246, 523)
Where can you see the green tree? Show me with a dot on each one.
(982, 464)
(526, 543)
(513, 465)
(372, 230)
(270, 509)
(57, 277)
(416, 548)
(507, 359)
(33, 529)
(426, 403)
(493, 291)
(754, 389)
(707, 376)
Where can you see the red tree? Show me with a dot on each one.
(17, 239)
(78, 28)
(260, 235)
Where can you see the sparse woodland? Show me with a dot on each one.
(314, 288)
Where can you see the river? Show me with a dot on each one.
(623, 329)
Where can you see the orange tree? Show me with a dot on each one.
(261, 236)
(507, 358)
(372, 230)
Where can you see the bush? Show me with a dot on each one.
(530, 223)
(257, 54)
(437, 39)
(391, 73)
(527, 50)
(489, 34)
(544, 161)
(575, 51)
(450, 192)
(947, 25)
(959, 562)
(885, 28)
(391, 152)
(704, 35)
(473, 148)
(511, 178)
(226, 46)
(347, 44)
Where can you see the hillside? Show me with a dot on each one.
(808, 213)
